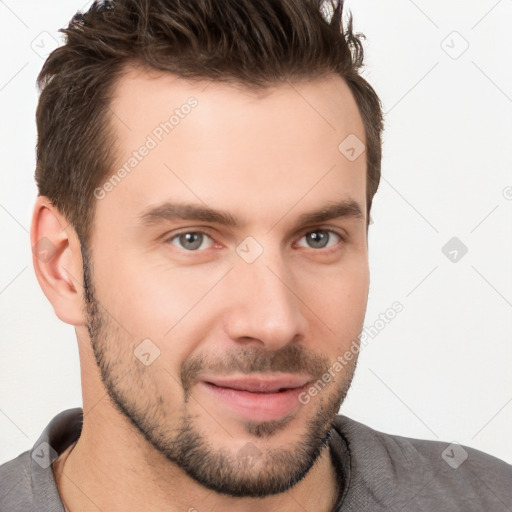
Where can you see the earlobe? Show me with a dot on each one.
(57, 261)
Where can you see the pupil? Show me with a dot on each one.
(319, 238)
(191, 240)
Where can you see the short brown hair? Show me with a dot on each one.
(255, 44)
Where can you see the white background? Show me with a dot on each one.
(439, 370)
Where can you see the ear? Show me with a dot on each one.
(57, 261)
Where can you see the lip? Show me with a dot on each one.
(257, 399)
(260, 384)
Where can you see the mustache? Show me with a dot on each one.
(248, 360)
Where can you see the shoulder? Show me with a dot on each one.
(424, 473)
(27, 482)
(15, 488)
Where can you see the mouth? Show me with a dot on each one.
(261, 384)
(257, 399)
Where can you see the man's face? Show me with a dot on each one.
(177, 304)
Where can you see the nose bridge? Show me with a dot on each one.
(263, 305)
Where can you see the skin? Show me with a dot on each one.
(153, 438)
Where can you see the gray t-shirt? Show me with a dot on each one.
(377, 472)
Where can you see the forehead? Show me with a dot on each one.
(226, 146)
(326, 103)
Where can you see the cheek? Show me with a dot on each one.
(160, 303)
(133, 300)
(339, 299)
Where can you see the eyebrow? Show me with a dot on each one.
(170, 211)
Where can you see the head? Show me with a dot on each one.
(208, 219)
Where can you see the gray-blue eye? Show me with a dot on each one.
(190, 240)
(193, 241)
(319, 238)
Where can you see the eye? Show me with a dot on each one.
(197, 241)
(190, 240)
(320, 238)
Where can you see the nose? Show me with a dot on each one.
(263, 304)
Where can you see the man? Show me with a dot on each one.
(206, 172)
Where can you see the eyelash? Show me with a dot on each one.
(322, 229)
